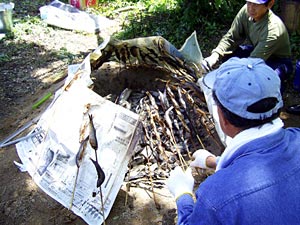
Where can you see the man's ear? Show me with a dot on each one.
(222, 119)
(228, 128)
(270, 4)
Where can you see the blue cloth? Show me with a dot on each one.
(282, 66)
(260, 184)
(233, 91)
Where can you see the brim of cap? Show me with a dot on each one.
(209, 79)
(257, 1)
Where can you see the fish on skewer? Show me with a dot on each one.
(78, 159)
(173, 140)
(100, 173)
(100, 180)
(92, 135)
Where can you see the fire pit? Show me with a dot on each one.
(161, 87)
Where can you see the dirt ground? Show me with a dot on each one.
(31, 72)
(31, 67)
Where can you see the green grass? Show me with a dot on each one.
(176, 20)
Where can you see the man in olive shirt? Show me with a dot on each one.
(264, 34)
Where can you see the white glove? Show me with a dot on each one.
(200, 158)
(180, 182)
(210, 61)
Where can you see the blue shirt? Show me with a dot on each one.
(259, 184)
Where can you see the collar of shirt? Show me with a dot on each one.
(247, 136)
(264, 18)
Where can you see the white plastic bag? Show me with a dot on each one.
(6, 22)
(68, 17)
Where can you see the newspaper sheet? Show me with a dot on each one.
(49, 154)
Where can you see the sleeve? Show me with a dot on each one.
(272, 39)
(235, 35)
(185, 205)
(265, 48)
(199, 213)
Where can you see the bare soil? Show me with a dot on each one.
(33, 65)
(37, 65)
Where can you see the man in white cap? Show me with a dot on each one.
(265, 34)
(257, 178)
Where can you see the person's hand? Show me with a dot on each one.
(210, 61)
(180, 182)
(200, 157)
